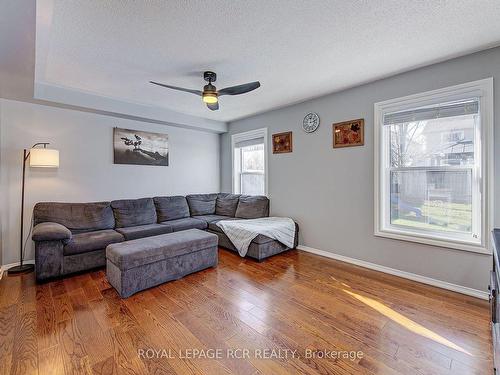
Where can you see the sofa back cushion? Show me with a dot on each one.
(132, 212)
(201, 204)
(171, 208)
(77, 217)
(252, 207)
(226, 204)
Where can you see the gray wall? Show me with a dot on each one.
(86, 171)
(1, 190)
(330, 192)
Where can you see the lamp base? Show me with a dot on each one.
(25, 268)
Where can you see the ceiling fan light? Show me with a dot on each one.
(210, 97)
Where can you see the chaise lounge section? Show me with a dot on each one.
(72, 237)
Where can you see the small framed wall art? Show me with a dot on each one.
(282, 143)
(349, 133)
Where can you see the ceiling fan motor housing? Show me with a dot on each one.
(209, 88)
(210, 95)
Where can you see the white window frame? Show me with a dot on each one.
(246, 136)
(482, 89)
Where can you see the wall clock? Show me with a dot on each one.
(310, 122)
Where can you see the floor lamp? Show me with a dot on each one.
(39, 158)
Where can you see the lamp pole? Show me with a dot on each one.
(24, 268)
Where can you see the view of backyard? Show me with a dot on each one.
(435, 215)
(431, 172)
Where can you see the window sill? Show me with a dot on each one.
(447, 243)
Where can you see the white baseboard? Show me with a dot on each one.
(392, 271)
(5, 267)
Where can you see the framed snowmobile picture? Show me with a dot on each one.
(139, 147)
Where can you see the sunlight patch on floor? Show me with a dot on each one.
(405, 322)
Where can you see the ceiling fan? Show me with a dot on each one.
(210, 95)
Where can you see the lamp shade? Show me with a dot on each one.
(44, 157)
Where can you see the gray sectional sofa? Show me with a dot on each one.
(72, 237)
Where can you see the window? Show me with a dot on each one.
(431, 167)
(250, 162)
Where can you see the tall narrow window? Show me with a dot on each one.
(431, 169)
(249, 162)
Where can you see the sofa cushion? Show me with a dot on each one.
(260, 239)
(141, 231)
(211, 218)
(90, 241)
(252, 207)
(226, 204)
(185, 223)
(133, 212)
(201, 204)
(171, 208)
(77, 217)
(213, 225)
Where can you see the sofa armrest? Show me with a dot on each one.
(49, 231)
(48, 259)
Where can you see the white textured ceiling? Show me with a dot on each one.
(296, 49)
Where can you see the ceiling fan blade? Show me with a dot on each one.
(196, 92)
(240, 89)
(213, 107)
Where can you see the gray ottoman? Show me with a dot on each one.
(139, 264)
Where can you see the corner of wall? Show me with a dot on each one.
(221, 158)
(1, 189)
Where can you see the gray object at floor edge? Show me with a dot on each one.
(141, 264)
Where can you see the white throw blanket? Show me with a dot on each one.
(242, 232)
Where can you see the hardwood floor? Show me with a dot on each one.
(295, 301)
